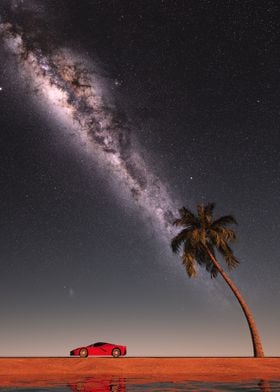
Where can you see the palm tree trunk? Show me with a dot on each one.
(257, 345)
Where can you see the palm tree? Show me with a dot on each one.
(200, 236)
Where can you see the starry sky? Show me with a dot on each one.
(171, 103)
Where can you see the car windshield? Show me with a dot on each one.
(98, 344)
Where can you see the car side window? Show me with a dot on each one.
(98, 344)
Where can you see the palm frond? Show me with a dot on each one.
(205, 214)
(231, 261)
(187, 218)
(188, 260)
(178, 240)
(214, 271)
(214, 237)
(201, 256)
(224, 221)
(201, 213)
(227, 234)
(221, 233)
(208, 213)
(203, 259)
(188, 245)
(195, 237)
(228, 255)
(180, 222)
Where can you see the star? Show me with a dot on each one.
(1, 88)
(118, 82)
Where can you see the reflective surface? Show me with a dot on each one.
(142, 384)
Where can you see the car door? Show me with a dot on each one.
(100, 349)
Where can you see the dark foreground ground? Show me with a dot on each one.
(35, 371)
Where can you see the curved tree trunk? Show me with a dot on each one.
(257, 345)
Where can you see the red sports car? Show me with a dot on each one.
(100, 348)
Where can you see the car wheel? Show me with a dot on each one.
(83, 353)
(116, 352)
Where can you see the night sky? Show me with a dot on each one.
(171, 103)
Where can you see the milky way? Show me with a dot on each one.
(65, 81)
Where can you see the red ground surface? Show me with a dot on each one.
(44, 371)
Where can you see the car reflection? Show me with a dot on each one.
(100, 385)
(264, 386)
